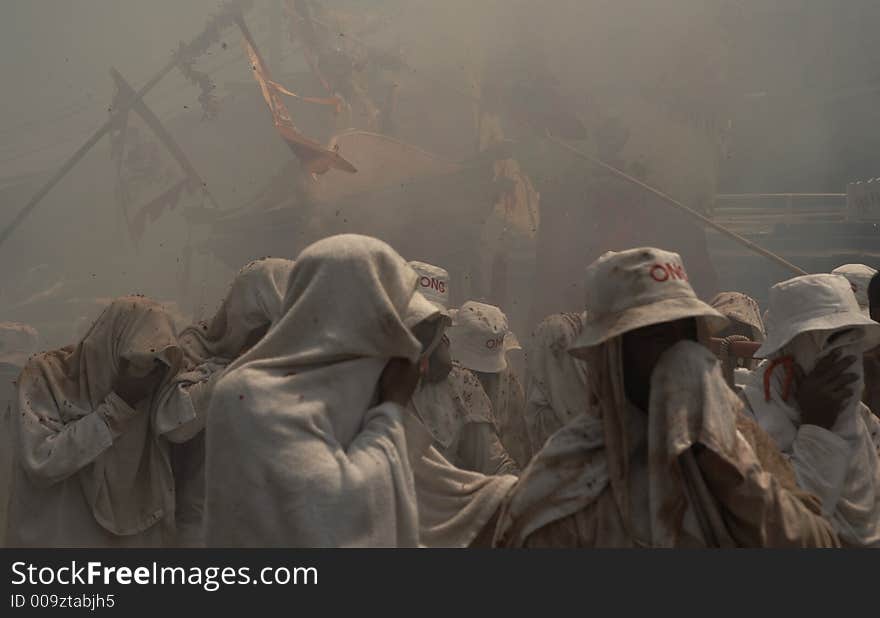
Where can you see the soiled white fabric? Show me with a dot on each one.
(254, 301)
(454, 505)
(557, 390)
(641, 469)
(318, 463)
(76, 483)
(509, 411)
(615, 478)
(182, 406)
(458, 415)
(446, 407)
(839, 466)
(565, 477)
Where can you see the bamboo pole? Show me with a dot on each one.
(140, 107)
(232, 5)
(81, 152)
(679, 206)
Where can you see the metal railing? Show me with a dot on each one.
(760, 211)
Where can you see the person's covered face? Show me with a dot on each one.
(643, 347)
(440, 362)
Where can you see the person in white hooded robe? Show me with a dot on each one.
(92, 447)
(807, 396)
(557, 390)
(252, 304)
(315, 410)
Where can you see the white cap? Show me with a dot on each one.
(813, 303)
(433, 284)
(480, 337)
(17, 343)
(631, 289)
(859, 276)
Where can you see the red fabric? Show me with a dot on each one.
(787, 362)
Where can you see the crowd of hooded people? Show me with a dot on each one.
(297, 417)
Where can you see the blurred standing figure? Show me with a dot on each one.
(314, 411)
(859, 277)
(17, 343)
(664, 457)
(557, 390)
(745, 322)
(743, 314)
(807, 396)
(93, 466)
(481, 338)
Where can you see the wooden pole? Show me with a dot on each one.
(80, 153)
(679, 206)
(139, 107)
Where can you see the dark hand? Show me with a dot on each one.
(822, 394)
(399, 381)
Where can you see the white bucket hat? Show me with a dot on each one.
(813, 303)
(631, 289)
(859, 276)
(17, 343)
(433, 284)
(480, 337)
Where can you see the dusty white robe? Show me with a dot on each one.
(839, 465)
(320, 462)
(77, 483)
(613, 479)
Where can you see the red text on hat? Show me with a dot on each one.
(663, 272)
(433, 283)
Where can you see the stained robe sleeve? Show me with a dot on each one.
(52, 450)
(758, 510)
